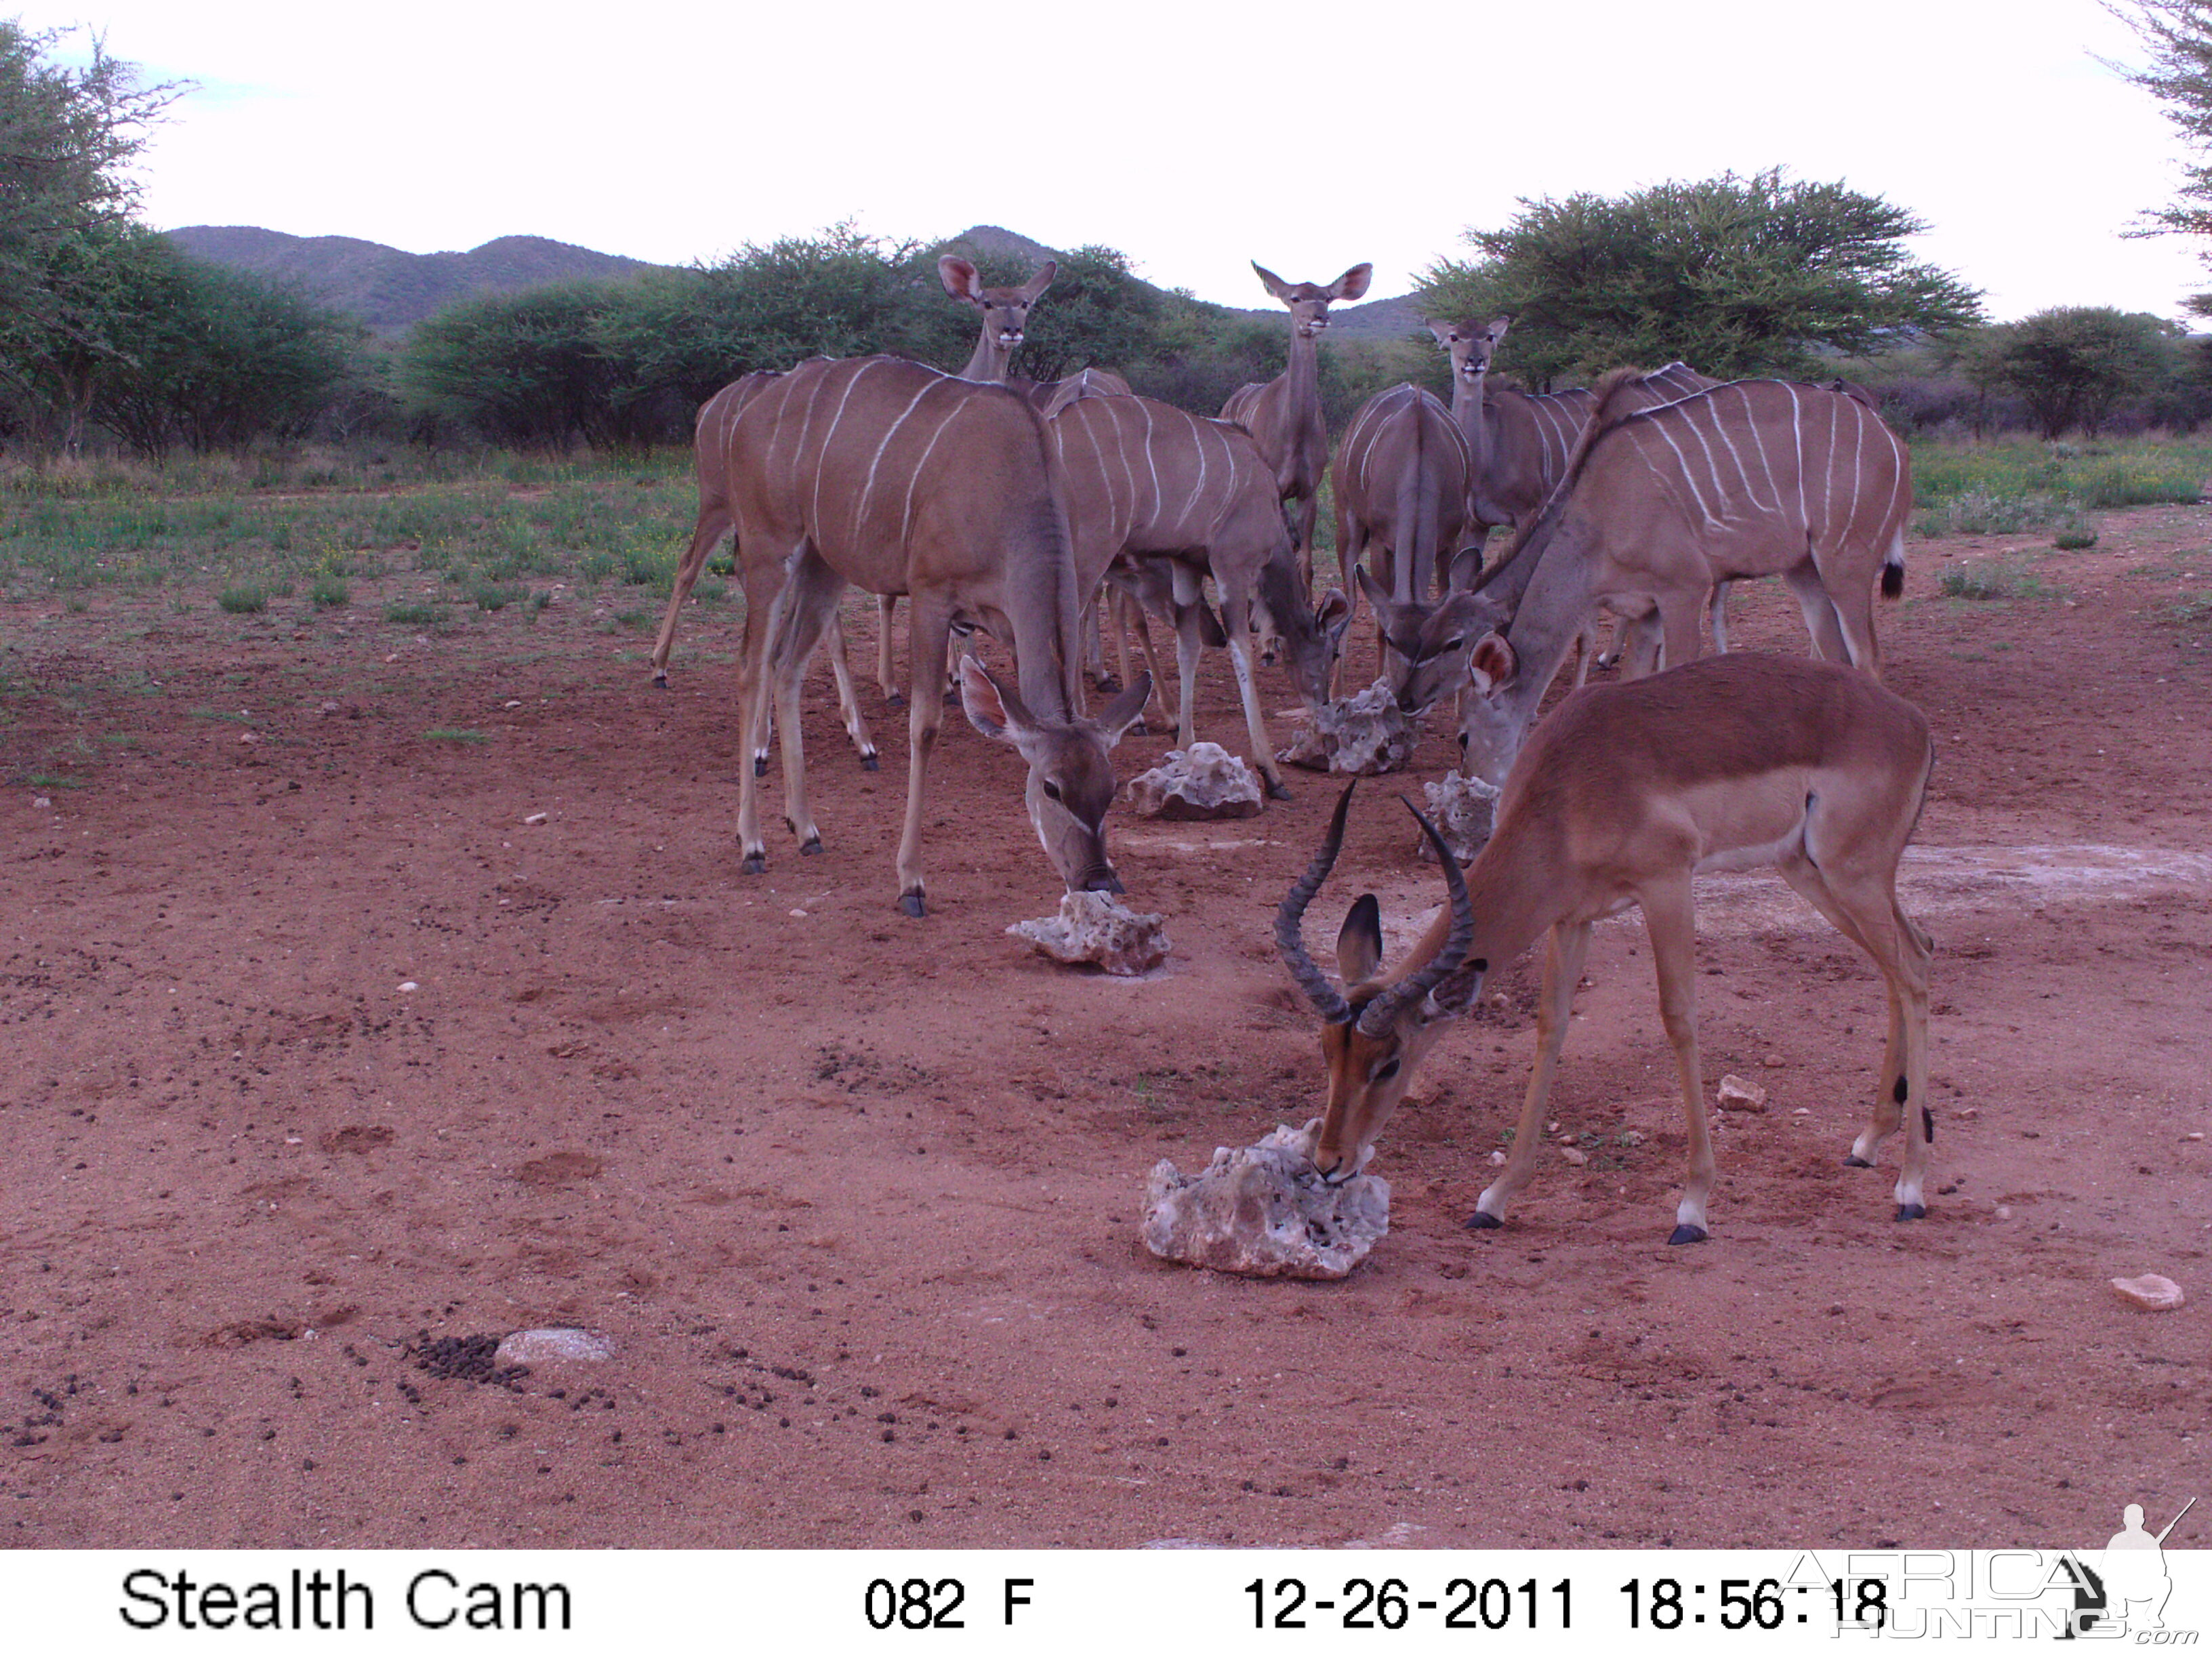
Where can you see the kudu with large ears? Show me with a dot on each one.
(1283, 415)
(1378, 1026)
(1005, 312)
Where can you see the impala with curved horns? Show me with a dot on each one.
(1620, 798)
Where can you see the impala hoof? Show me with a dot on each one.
(1686, 1234)
(1853, 1161)
(1275, 790)
(911, 904)
(755, 864)
(660, 682)
(868, 762)
(1911, 1212)
(760, 766)
(810, 847)
(1482, 1222)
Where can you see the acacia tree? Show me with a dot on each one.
(2073, 365)
(2177, 35)
(1735, 275)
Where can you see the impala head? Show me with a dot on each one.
(1309, 302)
(1071, 782)
(1376, 1030)
(1006, 310)
(1472, 345)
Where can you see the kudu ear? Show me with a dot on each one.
(1274, 284)
(1335, 608)
(1359, 943)
(1353, 283)
(1464, 569)
(1121, 714)
(992, 708)
(1377, 595)
(1041, 280)
(1498, 327)
(1492, 664)
(1443, 332)
(959, 278)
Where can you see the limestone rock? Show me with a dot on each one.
(1094, 928)
(1363, 735)
(1465, 809)
(1738, 1096)
(1202, 782)
(558, 1342)
(1263, 1210)
(2150, 1291)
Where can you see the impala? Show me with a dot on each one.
(1620, 798)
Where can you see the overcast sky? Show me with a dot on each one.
(1192, 135)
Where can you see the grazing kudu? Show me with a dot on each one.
(1621, 797)
(1283, 415)
(899, 479)
(1751, 478)
(1400, 481)
(1143, 481)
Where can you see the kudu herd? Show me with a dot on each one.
(1014, 506)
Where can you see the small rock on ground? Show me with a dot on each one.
(2152, 1291)
(1738, 1095)
(538, 1347)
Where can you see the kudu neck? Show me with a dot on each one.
(1468, 400)
(990, 361)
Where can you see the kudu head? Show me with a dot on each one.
(1431, 638)
(1472, 345)
(1071, 782)
(1309, 302)
(1376, 1030)
(1006, 310)
(1491, 722)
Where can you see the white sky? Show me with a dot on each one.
(1195, 136)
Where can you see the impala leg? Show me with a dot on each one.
(1563, 970)
(1670, 920)
(929, 631)
(714, 524)
(1821, 619)
(886, 611)
(849, 704)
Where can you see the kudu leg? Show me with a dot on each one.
(1568, 942)
(929, 632)
(1309, 511)
(887, 681)
(1716, 609)
(849, 704)
(1821, 619)
(810, 609)
(1670, 921)
(714, 525)
(765, 584)
(1235, 617)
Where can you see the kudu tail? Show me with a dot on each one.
(1892, 568)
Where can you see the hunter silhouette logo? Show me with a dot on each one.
(2135, 1583)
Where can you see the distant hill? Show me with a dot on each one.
(391, 289)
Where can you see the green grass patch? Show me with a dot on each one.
(2073, 540)
(2190, 609)
(1994, 579)
(247, 599)
(223, 714)
(495, 596)
(329, 591)
(456, 734)
(409, 615)
(56, 781)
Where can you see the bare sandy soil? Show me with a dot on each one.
(857, 1196)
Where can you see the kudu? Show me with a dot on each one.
(899, 479)
(1399, 482)
(1283, 415)
(1751, 478)
(1621, 797)
(1143, 481)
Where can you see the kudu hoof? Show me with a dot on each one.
(760, 766)
(1482, 1222)
(894, 700)
(755, 864)
(810, 847)
(1853, 1161)
(912, 904)
(868, 763)
(1911, 1212)
(1107, 686)
(1276, 792)
(660, 682)
(1686, 1234)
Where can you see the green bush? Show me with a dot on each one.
(330, 592)
(246, 599)
(413, 616)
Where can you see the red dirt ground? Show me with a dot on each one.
(857, 1196)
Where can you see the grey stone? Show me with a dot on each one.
(1361, 735)
(1094, 928)
(558, 1342)
(2150, 1291)
(1464, 810)
(1741, 1094)
(1265, 1212)
(1203, 781)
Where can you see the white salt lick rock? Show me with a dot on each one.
(1361, 735)
(1092, 927)
(1265, 1212)
(1203, 781)
(2150, 1291)
(1464, 810)
(558, 1342)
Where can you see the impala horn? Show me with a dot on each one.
(1289, 938)
(1376, 1017)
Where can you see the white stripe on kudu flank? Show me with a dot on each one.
(1797, 436)
(1858, 448)
(1151, 465)
(1712, 466)
(1720, 431)
(822, 450)
(1128, 472)
(1197, 489)
(1682, 466)
(1828, 477)
(1758, 438)
(914, 474)
(868, 487)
